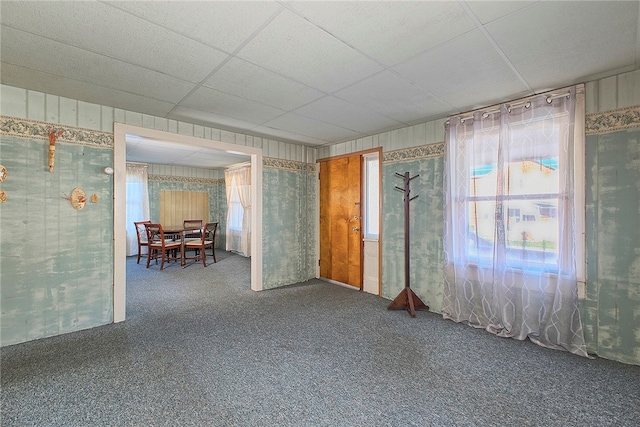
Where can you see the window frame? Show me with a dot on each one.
(578, 190)
(235, 207)
(371, 205)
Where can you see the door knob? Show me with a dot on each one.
(356, 229)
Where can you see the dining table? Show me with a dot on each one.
(179, 231)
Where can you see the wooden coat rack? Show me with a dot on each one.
(407, 299)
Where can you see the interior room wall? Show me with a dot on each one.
(426, 215)
(72, 287)
(289, 222)
(168, 177)
(56, 262)
(611, 307)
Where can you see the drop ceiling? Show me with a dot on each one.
(309, 72)
(147, 150)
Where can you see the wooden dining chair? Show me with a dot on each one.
(198, 247)
(166, 249)
(210, 237)
(193, 229)
(142, 236)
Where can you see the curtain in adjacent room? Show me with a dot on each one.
(510, 233)
(238, 188)
(137, 203)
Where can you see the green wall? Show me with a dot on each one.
(426, 228)
(288, 217)
(56, 262)
(611, 311)
(217, 199)
(57, 279)
(57, 276)
(289, 225)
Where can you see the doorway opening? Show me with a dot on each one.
(120, 134)
(349, 216)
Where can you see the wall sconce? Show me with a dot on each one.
(108, 170)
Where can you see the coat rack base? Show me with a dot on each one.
(408, 300)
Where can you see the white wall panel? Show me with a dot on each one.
(629, 89)
(607, 94)
(148, 121)
(118, 115)
(13, 102)
(52, 108)
(36, 105)
(131, 118)
(89, 115)
(185, 128)
(161, 123)
(226, 136)
(106, 119)
(68, 111)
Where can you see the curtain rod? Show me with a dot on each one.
(551, 95)
(238, 165)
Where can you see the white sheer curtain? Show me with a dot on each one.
(137, 203)
(239, 179)
(510, 236)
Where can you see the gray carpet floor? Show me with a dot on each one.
(200, 348)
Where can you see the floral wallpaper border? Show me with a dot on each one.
(407, 154)
(185, 180)
(596, 123)
(612, 121)
(291, 165)
(34, 129)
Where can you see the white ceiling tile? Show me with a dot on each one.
(309, 127)
(55, 85)
(465, 72)
(341, 113)
(389, 31)
(394, 97)
(214, 120)
(140, 149)
(115, 34)
(214, 101)
(145, 58)
(293, 47)
(241, 78)
(221, 24)
(287, 136)
(487, 11)
(31, 51)
(231, 124)
(557, 43)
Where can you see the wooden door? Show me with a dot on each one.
(340, 225)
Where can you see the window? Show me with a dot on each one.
(527, 189)
(517, 197)
(371, 192)
(236, 211)
(137, 202)
(513, 240)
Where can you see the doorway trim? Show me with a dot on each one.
(120, 131)
(361, 153)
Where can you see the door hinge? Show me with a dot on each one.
(318, 263)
